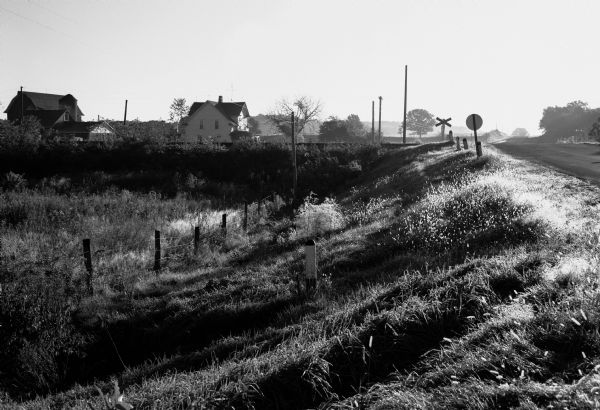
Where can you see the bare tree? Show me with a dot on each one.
(304, 108)
(178, 109)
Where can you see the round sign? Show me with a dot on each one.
(478, 122)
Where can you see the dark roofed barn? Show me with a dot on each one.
(50, 109)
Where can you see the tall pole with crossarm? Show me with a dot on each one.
(405, 87)
(373, 121)
(379, 129)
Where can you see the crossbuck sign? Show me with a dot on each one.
(443, 123)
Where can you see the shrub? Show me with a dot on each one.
(314, 219)
(13, 182)
(473, 217)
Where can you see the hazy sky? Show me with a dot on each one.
(505, 60)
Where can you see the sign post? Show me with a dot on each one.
(443, 123)
(474, 122)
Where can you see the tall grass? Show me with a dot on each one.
(392, 325)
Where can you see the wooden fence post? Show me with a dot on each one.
(224, 223)
(245, 216)
(458, 143)
(157, 251)
(310, 271)
(196, 239)
(478, 148)
(87, 255)
(465, 144)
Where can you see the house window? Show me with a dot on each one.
(66, 116)
(201, 124)
(216, 124)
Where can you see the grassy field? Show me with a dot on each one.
(445, 281)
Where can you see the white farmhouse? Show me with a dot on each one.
(212, 121)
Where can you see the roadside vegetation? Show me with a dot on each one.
(445, 281)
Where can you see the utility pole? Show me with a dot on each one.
(125, 116)
(405, 86)
(21, 105)
(295, 182)
(379, 131)
(373, 121)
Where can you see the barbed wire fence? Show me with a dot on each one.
(170, 249)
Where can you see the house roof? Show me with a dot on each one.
(231, 110)
(42, 101)
(47, 117)
(81, 127)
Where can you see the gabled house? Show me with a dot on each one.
(212, 121)
(49, 109)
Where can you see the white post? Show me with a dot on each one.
(310, 272)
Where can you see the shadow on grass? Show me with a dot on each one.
(391, 341)
(165, 332)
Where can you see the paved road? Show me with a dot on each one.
(581, 160)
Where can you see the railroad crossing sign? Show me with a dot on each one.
(474, 122)
(443, 123)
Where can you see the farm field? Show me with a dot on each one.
(444, 281)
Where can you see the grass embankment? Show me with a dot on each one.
(445, 281)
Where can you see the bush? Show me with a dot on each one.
(258, 168)
(313, 219)
(13, 182)
(472, 217)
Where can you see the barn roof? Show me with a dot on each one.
(42, 101)
(47, 117)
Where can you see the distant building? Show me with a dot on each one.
(59, 115)
(212, 121)
(49, 109)
(91, 131)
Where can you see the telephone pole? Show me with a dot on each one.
(21, 105)
(379, 132)
(125, 116)
(295, 181)
(405, 86)
(373, 121)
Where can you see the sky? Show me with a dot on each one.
(504, 60)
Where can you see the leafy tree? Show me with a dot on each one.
(520, 132)
(401, 128)
(333, 129)
(254, 126)
(305, 111)
(26, 135)
(178, 110)
(419, 121)
(595, 130)
(572, 119)
(355, 127)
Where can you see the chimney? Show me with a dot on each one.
(220, 99)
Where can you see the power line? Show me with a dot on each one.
(42, 25)
(52, 12)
